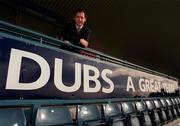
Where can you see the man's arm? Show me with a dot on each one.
(82, 41)
(86, 37)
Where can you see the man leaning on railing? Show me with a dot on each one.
(77, 32)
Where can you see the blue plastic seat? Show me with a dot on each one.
(178, 99)
(175, 107)
(161, 111)
(113, 114)
(145, 114)
(171, 108)
(48, 116)
(149, 105)
(12, 117)
(128, 107)
(178, 106)
(131, 113)
(165, 107)
(89, 115)
(154, 114)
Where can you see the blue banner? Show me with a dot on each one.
(30, 70)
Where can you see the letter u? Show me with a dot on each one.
(58, 77)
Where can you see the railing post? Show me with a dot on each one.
(41, 40)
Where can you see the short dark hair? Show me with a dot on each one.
(79, 10)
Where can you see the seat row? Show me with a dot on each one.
(141, 112)
(130, 113)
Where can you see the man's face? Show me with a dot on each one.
(80, 19)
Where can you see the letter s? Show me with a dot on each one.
(105, 78)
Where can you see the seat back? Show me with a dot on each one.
(175, 107)
(157, 103)
(12, 117)
(169, 102)
(113, 114)
(111, 110)
(128, 107)
(167, 110)
(177, 101)
(140, 106)
(88, 114)
(53, 116)
(150, 105)
(164, 116)
(161, 112)
(147, 119)
(156, 118)
(130, 111)
(144, 113)
(170, 109)
(173, 101)
(178, 106)
(164, 103)
(154, 114)
(134, 121)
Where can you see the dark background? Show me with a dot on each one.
(143, 32)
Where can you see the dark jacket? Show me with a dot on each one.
(70, 33)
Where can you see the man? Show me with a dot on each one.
(77, 33)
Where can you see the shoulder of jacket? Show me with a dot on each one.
(87, 29)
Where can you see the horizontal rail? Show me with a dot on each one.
(39, 102)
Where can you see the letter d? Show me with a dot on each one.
(15, 68)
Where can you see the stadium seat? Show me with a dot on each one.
(12, 117)
(175, 107)
(166, 108)
(154, 114)
(89, 115)
(160, 111)
(178, 99)
(170, 107)
(145, 114)
(131, 114)
(113, 114)
(178, 106)
(48, 116)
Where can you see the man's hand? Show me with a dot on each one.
(66, 41)
(84, 42)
